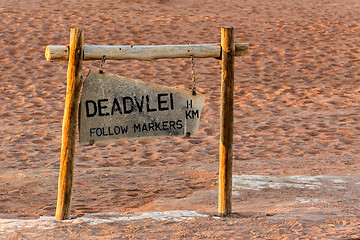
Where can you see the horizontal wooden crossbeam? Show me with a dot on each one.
(150, 52)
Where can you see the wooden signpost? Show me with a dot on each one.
(160, 111)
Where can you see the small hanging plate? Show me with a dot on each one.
(117, 108)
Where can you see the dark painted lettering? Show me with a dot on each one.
(144, 128)
(188, 104)
(192, 114)
(101, 108)
(171, 102)
(148, 105)
(98, 132)
(92, 131)
(115, 107)
(188, 114)
(90, 112)
(165, 125)
(110, 132)
(196, 113)
(161, 102)
(124, 129)
(172, 125)
(120, 129)
(137, 127)
(141, 104)
(151, 126)
(157, 126)
(128, 104)
(179, 124)
(117, 130)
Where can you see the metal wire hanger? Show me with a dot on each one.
(103, 58)
(193, 89)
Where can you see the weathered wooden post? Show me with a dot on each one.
(69, 124)
(226, 121)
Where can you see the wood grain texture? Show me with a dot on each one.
(226, 121)
(96, 52)
(69, 124)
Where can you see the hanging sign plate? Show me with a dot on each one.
(118, 108)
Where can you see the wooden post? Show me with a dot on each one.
(69, 124)
(226, 121)
(152, 52)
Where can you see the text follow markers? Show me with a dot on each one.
(117, 108)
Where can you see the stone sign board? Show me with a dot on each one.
(117, 108)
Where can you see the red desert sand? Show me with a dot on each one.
(296, 137)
